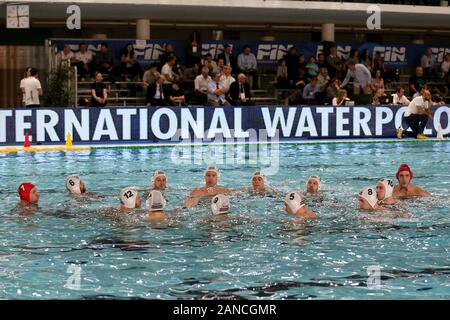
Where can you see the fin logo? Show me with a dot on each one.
(440, 53)
(272, 52)
(392, 54)
(213, 48)
(151, 51)
(343, 52)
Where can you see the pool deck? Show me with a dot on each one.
(85, 147)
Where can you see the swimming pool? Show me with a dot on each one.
(258, 252)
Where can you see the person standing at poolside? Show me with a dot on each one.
(211, 187)
(405, 188)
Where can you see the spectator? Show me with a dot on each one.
(248, 65)
(445, 66)
(82, 60)
(361, 78)
(129, 64)
(333, 89)
(31, 89)
(210, 63)
(282, 77)
(417, 115)
(191, 73)
(216, 92)
(169, 51)
(26, 75)
(321, 61)
(428, 62)
(291, 61)
(150, 75)
(158, 93)
(332, 60)
(354, 56)
(176, 95)
(341, 98)
(227, 78)
(167, 70)
(323, 78)
(301, 80)
(312, 68)
(340, 72)
(66, 55)
(378, 63)
(103, 61)
(220, 65)
(228, 57)
(195, 49)
(377, 82)
(399, 97)
(417, 81)
(99, 94)
(240, 91)
(310, 91)
(377, 96)
(366, 59)
(301, 61)
(201, 84)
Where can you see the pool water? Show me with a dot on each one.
(72, 249)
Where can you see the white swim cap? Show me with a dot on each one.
(370, 195)
(213, 169)
(73, 184)
(128, 197)
(220, 204)
(259, 174)
(155, 201)
(317, 178)
(156, 174)
(294, 201)
(389, 185)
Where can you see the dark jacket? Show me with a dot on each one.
(234, 92)
(233, 60)
(151, 91)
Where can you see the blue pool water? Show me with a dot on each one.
(258, 252)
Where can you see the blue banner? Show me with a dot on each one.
(205, 124)
(267, 52)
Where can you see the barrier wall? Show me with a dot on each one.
(267, 52)
(203, 124)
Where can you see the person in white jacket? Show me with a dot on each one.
(361, 77)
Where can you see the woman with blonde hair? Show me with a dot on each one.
(341, 98)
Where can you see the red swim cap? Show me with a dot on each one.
(24, 191)
(404, 167)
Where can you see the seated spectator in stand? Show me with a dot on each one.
(341, 98)
(334, 89)
(366, 59)
(210, 64)
(167, 71)
(300, 80)
(158, 93)
(312, 68)
(340, 71)
(378, 63)
(228, 57)
(321, 63)
(176, 95)
(66, 55)
(310, 91)
(216, 92)
(150, 75)
(227, 78)
(324, 79)
(291, 63)
(169, 51)
(332, 60)
(99, 93)
(377, 82)
(428, 63)
(129, 64)
(417, 81)
(301, 61)
(399, 97)
(361, 78)
(240, 94)
(354, 56)
(201, 84)
(31, 89)
(247, 64)
(376, 100)
(82, 60)
(282, 77)
(191, 73)
(103, 61)
(220, 65)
